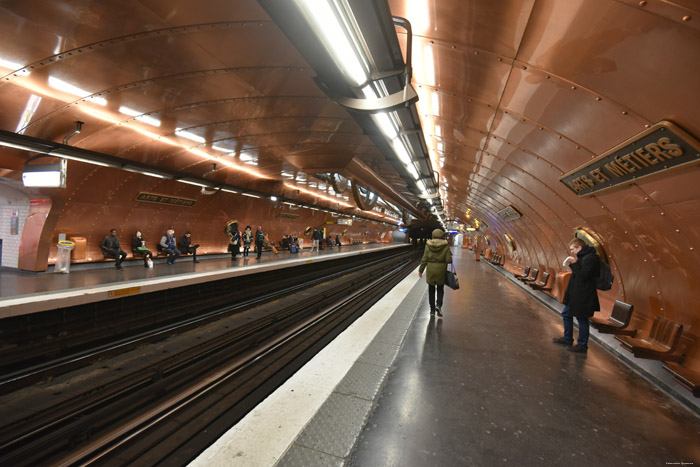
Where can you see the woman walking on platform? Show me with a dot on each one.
(436, 257)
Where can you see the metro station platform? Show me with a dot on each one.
(26, 292)
(484, 385)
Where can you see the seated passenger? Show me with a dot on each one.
(167, 243)
(186, 247)
(284, 243)
(111, 248)
(138, 248)
(234, 240)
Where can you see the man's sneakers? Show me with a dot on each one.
(438, 311)
(562, 341)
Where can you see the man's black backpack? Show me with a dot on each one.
(605, 277)
(259, 237)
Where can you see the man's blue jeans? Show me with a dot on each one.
(583, 328)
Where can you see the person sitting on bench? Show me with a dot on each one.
(167, 243)
(111, 248)
(138, 248)
(187, 248)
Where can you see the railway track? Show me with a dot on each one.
(167, 407)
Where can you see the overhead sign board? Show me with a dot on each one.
(164, 199)
(509, 213)
(662, 147)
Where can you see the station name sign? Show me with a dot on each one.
(509, 213)
(662, 147)
(164, 199)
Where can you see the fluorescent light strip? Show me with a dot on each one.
(18, 146)
(189, 135)
(251, 195)
(335, 38)
(74, 90)
(312, 193)
(221, 148)
(65, 155)
(14, 66)
(401, 151)
(190, 182)
(435, 103)
(386, 125)
(144, 172)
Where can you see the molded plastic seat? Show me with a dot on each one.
(525, 273)
(661, 343)
(533, 276)
(617, 322)
(542, 283)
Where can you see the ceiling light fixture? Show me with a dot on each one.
(331, 27)
(45, 175)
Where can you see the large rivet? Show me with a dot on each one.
(687, 18)
(643, 3)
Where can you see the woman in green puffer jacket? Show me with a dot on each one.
(436, 257)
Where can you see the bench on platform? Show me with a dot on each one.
(494, 259)
(542, 283)
(685, 377)
(526, 272)
(617, 322)
(660, 344)
(533, 276)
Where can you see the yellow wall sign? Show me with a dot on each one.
(123, 292)
(662, 147)
(164, 199)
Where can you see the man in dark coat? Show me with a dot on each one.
(259, 241)
(581, 297)
(187, 248)
(112, 249)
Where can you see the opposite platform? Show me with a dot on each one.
(24, 293)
